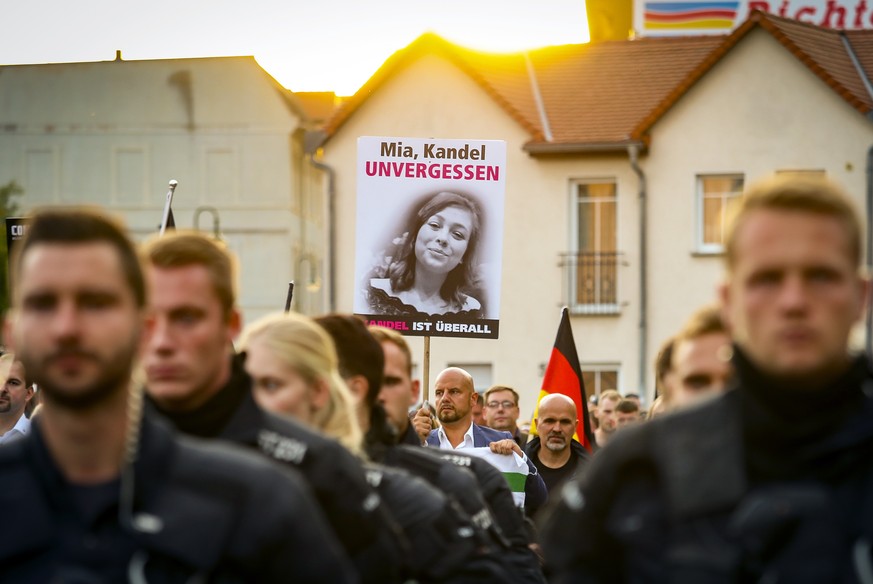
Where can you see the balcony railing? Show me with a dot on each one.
(592, 281)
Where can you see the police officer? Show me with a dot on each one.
(195, 381)
(90, 495)
(771, 481)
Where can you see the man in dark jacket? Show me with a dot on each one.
(90, 495)
(399, 390)
(773, 480)
(563, 457)
(475, 483)
(196, 382)
(454, 394)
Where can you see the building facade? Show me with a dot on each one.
(114, 133)
(623, 159)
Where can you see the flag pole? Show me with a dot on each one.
(289, 297)
(168, 205)
(425, 378)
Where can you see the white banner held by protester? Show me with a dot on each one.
(513, 467)
(429, 235)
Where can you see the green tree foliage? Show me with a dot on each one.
(9, 208)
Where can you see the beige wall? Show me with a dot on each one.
(758, 111)
(115, 133)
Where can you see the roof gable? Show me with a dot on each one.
(822, 50)
(602, 96)
(596, 93)
(501, 76)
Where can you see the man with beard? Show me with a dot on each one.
(478, 487)
(562, 457)
(95, 493)
(455, 395)
(196, 381)
(773, 479)
(14, 397)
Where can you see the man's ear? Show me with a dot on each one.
(234, 324)
(358, 386)
(149, 322)
(416, 392)
(29, 393)
(865, 290)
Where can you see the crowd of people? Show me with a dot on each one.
(172, 443)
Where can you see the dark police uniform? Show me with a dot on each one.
(352, 508)
(762, 484)
(442, 542)
(199, 512)
(484, 495)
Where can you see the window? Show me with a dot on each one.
(592, 264)
(599, 378)
(717, 196)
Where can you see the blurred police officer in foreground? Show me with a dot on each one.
(197, 382)
(771, 481)
(90, 495)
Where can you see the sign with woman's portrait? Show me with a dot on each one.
(429, 235)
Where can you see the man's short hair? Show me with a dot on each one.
(359, 352)
(627, 406)
(609, 394)
(81, 225)
(387, 335)
(664, 361)
(495, 388)
(704, 321)
(189, 248)
(480, 401)
(9, 358)
(805, 194)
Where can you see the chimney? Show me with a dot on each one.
(118, 55)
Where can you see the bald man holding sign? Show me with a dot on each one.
(455, 395)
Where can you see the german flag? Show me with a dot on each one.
(564, 375)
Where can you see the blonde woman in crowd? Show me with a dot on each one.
(294, 370)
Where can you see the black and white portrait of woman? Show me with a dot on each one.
(432, 265)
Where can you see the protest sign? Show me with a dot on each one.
(429, 235)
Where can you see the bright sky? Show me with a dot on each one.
(315, 45)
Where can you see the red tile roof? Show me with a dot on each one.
(861, 42)
(820, 49)
(824, 52)
(597, 93)
(605, 95)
